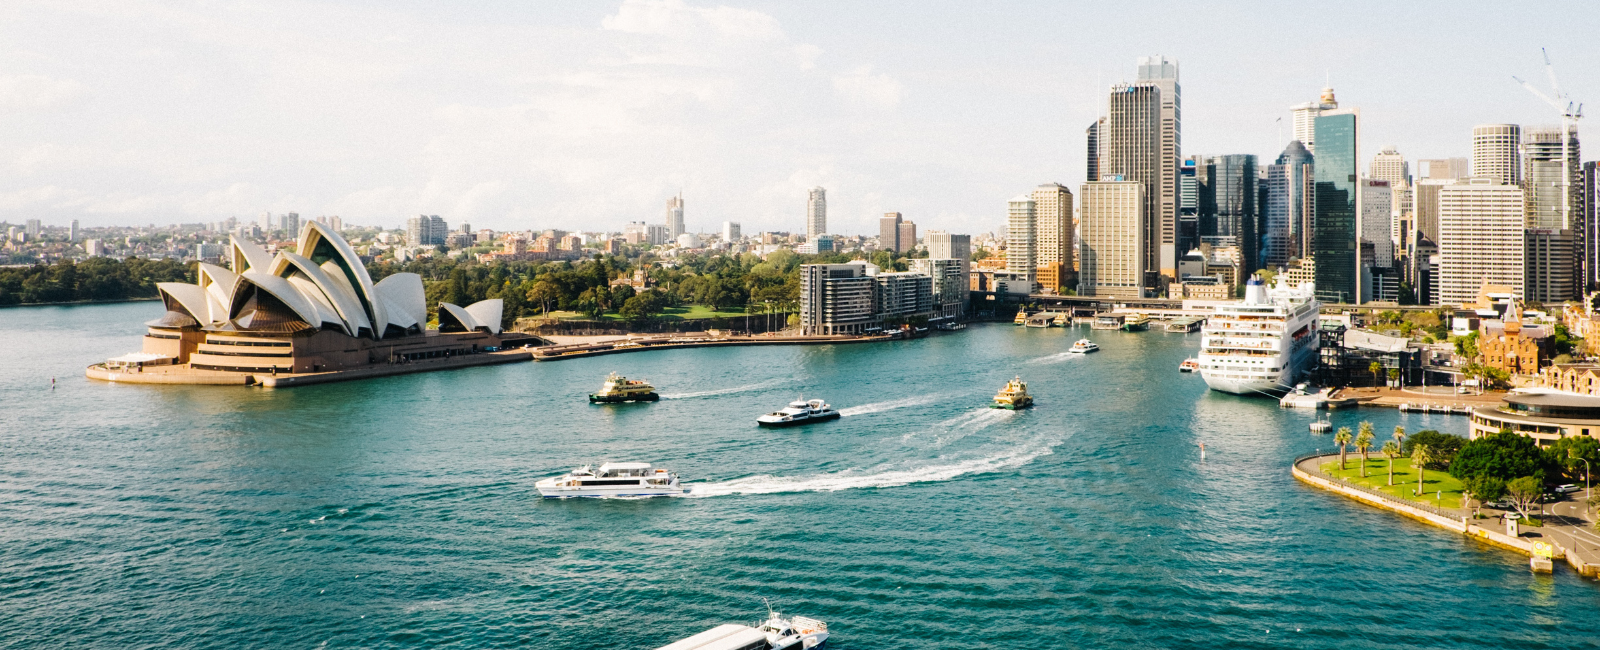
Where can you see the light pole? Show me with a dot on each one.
(1585, 479)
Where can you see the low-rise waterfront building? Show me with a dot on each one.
(1544, 416)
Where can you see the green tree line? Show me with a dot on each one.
(99, 278)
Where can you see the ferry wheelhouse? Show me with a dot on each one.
(1263, 343)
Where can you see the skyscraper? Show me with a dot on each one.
(906, 237)
(1495, 149)
(1589, 213)
(1133, 152)
(1188, 207)
(72, 231)
(1303, 118)
(1480, 238)
(289, 223)
(1233, 190)
(1443, 168)
(1111, 247)
(1337, 207)
(1163, 74)
(1053, 234)
(816, 212)
(1021, 235)
(1095, 134)
(944, 246)
(1553, 189)
(889, 231)
(730, 231)
(1376, 226)
(1390, 166)
(1288, 208)
(675, 216)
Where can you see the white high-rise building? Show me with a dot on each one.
(1497, 153)
(816, 212)
(675, 217)
(72, 231)
(1303, 118)
(1052, 206)
(730, 231)
(1480, 238)
(1021, 235)
(1111, 260)
(1390, 166)
(1163, 73)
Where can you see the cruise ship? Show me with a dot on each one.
(1263, 343)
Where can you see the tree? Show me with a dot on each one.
(1569, 454)
(1400, 437)
(1504, 455)
(544, 292)
(1364, 444)
(1376, 368)
(1391, 450)
(1342, 438)
(1525, 493)
(1483, 488)
(1444, 446)
(1419, 462)
(1394, 375)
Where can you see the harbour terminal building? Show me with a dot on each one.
(306, 317)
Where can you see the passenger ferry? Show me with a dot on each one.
(1022, 317)
(1189, 365)
(621, 389)
(799, 412)
(777, 633)
(1263, 343)
(1013, 397)
(1063, 319)
(1108, 321)
(613, 480)
(1084, 346)
(1136, 323)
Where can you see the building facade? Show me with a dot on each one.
(816, 212)
(1111, 247)
(1496, 153)
(837, 299)
(675, 217)
(1336, 206)
(1133, 153)
(1163, 74)
(1288, 207)
(1480, 239)
(1303, 118)
(1021, 235)
(1053, 245)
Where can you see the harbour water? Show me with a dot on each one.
(400, 512)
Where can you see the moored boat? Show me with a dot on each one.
(1022, 317)
(1014, 396)
(1263, 343)
(1084, 346)
(799, 412)
(621, 389)
(612, 480)
(1136, 323)
(1189, 365)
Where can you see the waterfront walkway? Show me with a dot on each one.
(1412, 396)
(1569, 529)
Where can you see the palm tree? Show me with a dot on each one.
(1342, 438)
(1391, 450)
(1394, 375)
(1376, 368)
(1400, 437)
(1363, 444)
(1421, 455)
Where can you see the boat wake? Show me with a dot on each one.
(879, 407)
(729, 391)
(1055, 358)
(882, 476)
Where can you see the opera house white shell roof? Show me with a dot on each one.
(324, 287)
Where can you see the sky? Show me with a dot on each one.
(529, 114)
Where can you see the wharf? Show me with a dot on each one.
(690, 340)
(1415, 398)
(192, 376)
(1566, 534)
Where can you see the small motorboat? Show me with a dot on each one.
(1189, 365)
(1084, 346)
(1322, 425)
(799, 412)
(1014, 397)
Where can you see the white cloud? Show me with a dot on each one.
(675, 18)
(861, 87)
(37, 92)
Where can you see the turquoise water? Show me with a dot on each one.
(400, 512)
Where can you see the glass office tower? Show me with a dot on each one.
(1334, 226)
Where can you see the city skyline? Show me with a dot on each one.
(508, 135)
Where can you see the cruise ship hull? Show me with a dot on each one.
(1244, 386)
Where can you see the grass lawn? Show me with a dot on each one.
(1404, 477)
(686, 312)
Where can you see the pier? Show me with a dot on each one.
(691, 340)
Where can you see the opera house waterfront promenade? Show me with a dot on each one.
(317, 316)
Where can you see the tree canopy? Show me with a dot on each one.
(1443, 445)
(1503, 455)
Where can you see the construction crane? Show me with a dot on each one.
(1570, 112)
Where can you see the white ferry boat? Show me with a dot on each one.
(799, 412)
(613, 480)
(777, 633)
(1084, 346)
(1263, 343)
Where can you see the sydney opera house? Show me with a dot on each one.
(306, 317)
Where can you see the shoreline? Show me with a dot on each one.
(628, 344)
(1307, 470)
(76, 303)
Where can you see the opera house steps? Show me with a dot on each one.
(290, 319)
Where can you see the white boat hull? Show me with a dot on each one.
(553, 492)
(1250, 386)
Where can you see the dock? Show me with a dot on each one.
(693, 340)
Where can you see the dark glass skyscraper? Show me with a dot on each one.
(1233, 192)
(1287, 208)
(1334, 227)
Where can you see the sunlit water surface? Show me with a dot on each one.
(400, 512)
